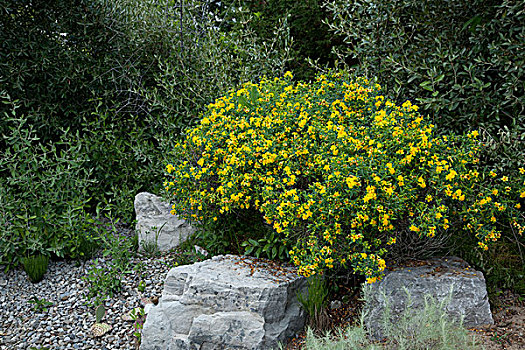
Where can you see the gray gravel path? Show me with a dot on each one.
(67, 322)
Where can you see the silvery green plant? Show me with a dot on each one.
(430, 328)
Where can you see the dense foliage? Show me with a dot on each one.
(311, 37)
(462, 61)
(92, 99)
(127, 86)
(43, 193)
(338, 170)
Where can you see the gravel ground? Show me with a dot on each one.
(66, 323)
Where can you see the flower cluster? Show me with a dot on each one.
(331, 166)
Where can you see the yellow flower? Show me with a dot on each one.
(451, 175)
(352, 181)
(371, 280)
(483, 246)
(370, 194)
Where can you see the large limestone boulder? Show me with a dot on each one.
(437, 278)
(156, 224)
(227, 302)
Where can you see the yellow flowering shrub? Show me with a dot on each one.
(332, 165)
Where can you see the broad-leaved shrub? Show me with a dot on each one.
(332, 166)
(43, 193)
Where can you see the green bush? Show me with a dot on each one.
(127, 75)
(462, 61)
(43, 192)
(333, 167)
(311, 37)
(210, 59)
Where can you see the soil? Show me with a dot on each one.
(507, 333)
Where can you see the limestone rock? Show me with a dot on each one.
(227, 302)
(156, 224)
(436, 277)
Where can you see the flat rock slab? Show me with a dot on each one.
(437, 278)
(156, 225)
(227, 302)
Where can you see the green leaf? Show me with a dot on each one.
(101, 311)
(426, 85)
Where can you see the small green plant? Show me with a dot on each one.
(105, 278)
(135, 242)
(271, 246)
(100, 313)
(150, 247)
(142, 286)
(139, 270)
(139, 316)
(35, 267)
(314, 302)
(88, 244)
(104, 282)
(187, 255)
(40, 305)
